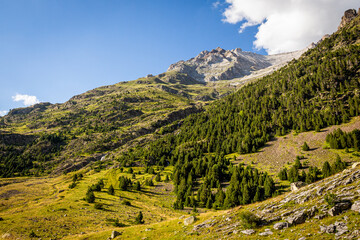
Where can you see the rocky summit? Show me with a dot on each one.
(349, 15)
(220, 64)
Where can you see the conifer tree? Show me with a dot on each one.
(326, 169)
(305, 147)
(90, 197)
(139, 218)
(111, 190)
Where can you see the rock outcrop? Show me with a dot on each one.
(349, 15)
(189, 220)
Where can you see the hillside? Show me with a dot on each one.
(304, 214)
(148, 157)
(55, 138)
(51, 209)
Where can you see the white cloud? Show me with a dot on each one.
(216, 4)
(27, 100)
(287, 25)
(3, 113)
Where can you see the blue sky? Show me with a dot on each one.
(51, 50)
(56, 49)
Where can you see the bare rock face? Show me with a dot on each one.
(189, 220)
(339, 207)
(298, 218)
(248, 231)
(349, 15)
(356, 206)
(281, 225)
(220, 64)
(114, 234)
(296, 185)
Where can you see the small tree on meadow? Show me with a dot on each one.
(305, 147)
(111, 190)
(139, 218)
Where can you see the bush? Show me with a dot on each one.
(158, 178)
(98, 206)
(149, 182)
(72, 185)
(90, 197)
(331, 199)
(96, 187)
(249, 220)
(126, 203)
(139, 218)
(32, 234)
(118, 224)
(111, 190)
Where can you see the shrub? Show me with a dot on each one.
(72, 185)
(111, 190)
(331, 199)
(149, 182)
(126, 203)
(98, 206)
(118, 224)
(158, 178)
(139, 218)
(249, 220)
(32, 234)
(90, 197)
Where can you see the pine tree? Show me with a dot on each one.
(137, 186)
(283, 174)
(326, 169)
(305, 147)
(269, 187)
(297, 164)
(209, 203)
(258, 195)
(111, 190)
(90, 196)
(139, 218)
(245, 195)
(158, 178)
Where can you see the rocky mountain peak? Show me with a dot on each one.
(221, 64)
(349, 15)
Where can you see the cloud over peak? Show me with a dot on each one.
(287, 25)
(26, 99)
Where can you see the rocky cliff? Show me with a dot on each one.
(349, 15)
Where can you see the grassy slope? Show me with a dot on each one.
(227, 224)
(283, 150)
(40, 204)
(51, 209)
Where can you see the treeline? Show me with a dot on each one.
(342, 140)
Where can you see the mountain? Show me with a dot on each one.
(220, 64)
(162, 147)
